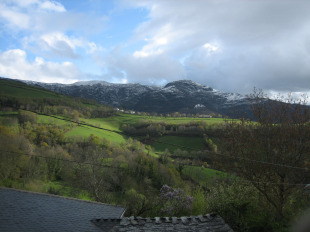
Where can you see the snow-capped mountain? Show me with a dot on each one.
(179, 96)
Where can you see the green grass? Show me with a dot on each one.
(195, 143)
(43, 119)
(26, 93)
(132, 119)
(22, 90)
(188, 120)
(129, 118)
(110, 123)
(86, 131)
(202, 175)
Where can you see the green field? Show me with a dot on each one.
(202, 175)
(132, 119)
(114, 123)
(43, 119)
(187, 143)
(110, 123)
(86, 131)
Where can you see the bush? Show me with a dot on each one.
(25, 116)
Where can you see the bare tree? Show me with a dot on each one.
(271, 152)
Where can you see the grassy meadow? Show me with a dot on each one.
(86, 131)
(182, 142)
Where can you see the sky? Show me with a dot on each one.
(230, 45)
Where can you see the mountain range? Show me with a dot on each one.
(183, 96)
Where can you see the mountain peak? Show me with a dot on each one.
(93, 82)
(187, 84)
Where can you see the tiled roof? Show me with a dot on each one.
(207, 223)
(29, 211)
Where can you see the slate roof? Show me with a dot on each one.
(29, 211)
(207, 223)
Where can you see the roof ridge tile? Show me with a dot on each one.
(202, 218)
(174, 220)
(193, 220)
(208, 222)
(167, 219)
(184, 220)
(157, 220)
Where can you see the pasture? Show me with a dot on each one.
(86, 131)
(180, 142)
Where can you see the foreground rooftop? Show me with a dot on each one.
(29, 211)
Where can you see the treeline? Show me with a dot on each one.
(155, 129)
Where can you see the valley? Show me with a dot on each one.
(236, 167)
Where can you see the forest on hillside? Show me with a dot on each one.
(252, 173)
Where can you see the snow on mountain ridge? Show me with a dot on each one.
(91, 83)
(177, 96)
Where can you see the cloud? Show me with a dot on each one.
(45, 5)
(15, 20)
(230, 45)
(57, 44)
(19, 14)
(42, 16)
(52, 6)
(151, 69)
(14, 64)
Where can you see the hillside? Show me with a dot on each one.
(18, 89)
(48, 147)
(17, 94)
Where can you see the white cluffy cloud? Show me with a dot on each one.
(52, 6)
(21, 14)
(60, 45)
(14, 64)
(38, 4)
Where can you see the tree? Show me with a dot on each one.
(25, 116)
(272, 152)
(136, 203)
